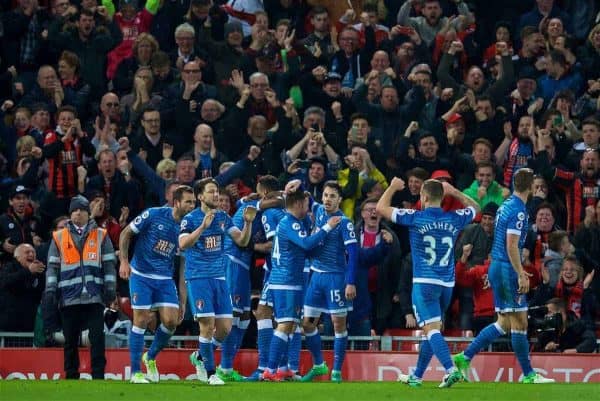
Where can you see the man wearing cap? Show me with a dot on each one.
(81, 280)
(18, 225)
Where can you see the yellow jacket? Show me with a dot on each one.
(349, 204)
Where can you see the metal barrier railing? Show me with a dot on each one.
(363, 343)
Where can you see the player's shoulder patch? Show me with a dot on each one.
(137, 220)
(402, 212)
(145, 214)
(296, 226)
(521, 216)
(350, 226)
(263, 219)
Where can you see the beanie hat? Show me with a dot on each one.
(233, 27)
(79, 202)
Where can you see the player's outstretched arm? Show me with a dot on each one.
(462, 198)
(384, 207)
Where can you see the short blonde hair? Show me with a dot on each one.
(26, 141)
(145, 37)
(165, 164)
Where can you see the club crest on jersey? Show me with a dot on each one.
(92, 243)
(161, 227)
(199, 304)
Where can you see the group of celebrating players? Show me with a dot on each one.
(311, 259)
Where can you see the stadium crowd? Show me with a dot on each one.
(121, 103)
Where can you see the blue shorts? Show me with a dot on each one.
(505, 285)
(148, 293)
(209, 297)
(238, 281)
(430, 301)
(287, 305)
(266, 295)
(326, 293)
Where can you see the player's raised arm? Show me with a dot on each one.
(384, 207)
(242, 237)
(462, 198)
(188, 238)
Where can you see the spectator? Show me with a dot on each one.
(431, 21)
(485, 189)
(91, 45)
(21, 287)
(544, 9)
(64, 149)
(143, 50)
(362, 162)
(475, 278)
(581, 189)
(207, 157)
(558, 76)
(573, 287)
(559, 247)
(164, 74)
(479, 236)
(536, 242)
(589, 55)
(76, 90)
(133, 25)
(141, 97)
(182, 100)
(79, 309)
(351, 61)
(19, 225)
(121, 191)
(377, 276)
(320, 43)
(513, 153)
(47, 90)
(152, 138)
(568, 335)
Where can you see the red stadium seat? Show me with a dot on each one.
(407, 345)
(457, 346)
(125, 305)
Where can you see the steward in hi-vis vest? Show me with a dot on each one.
(81, 280)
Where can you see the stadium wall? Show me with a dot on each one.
(47, 364)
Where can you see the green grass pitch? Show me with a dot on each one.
(18, 390)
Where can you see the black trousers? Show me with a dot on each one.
(75, 319)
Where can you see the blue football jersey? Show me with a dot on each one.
(331, 257)
(242, 256)
(290, 244)
(205, 259)
(270, 219)
(432, 234)
(511, 218)
(157, 238)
